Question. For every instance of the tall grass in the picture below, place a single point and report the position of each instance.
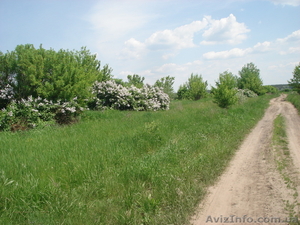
(286, 168)
(294, 98)
(121, 167)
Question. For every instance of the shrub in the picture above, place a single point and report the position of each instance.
(167, 84)
(49, 74)
(225, 91)
(36, 112)
(135, 80)
(6, 95)
(294, 98)
(250, 79)
(110, 95)
(242, 95)
(194, 89)
(183, 92)
(295, 81)
(270, 89)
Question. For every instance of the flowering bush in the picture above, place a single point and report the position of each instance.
(149, 98)
(6, 95)
(30, 113)
(67, 112)
(110, 95)
(243, 94)
(35, 112)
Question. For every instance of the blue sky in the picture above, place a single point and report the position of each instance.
(158, 38)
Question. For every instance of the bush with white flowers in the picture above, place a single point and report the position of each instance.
(110, 95)
(6, 95)
(243, 94)
(35, 112)
(38, 112)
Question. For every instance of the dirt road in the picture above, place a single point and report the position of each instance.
(252, 190)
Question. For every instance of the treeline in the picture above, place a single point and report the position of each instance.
(39, 86)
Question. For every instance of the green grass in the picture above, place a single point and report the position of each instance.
(285, 167)
(121, 167)
(294, 98)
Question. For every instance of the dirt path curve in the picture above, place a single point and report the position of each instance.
(252, 187)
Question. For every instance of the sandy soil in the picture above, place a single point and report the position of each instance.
(251, 190)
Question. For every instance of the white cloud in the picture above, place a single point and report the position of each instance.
(286, 2)
(225, 31)
(170, 40)
(281, 46)
(235, 52)
(238, 52)
(294, 37)
(179, 38)
(262, 47)
(133, 49)
(291, 50)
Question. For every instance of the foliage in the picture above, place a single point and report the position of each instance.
(194, 89)
(111, 95)
(6, 95)
(225, 92)
(270, 89)
(37, 112)
(197, 87)
(183, 92)
(295, 81)
(244, 94)
(166, 83)
(250, 79)
(49, 74)
(294, 98)
(135, 80)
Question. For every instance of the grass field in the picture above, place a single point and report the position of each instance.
(121, 167)
(294, 98)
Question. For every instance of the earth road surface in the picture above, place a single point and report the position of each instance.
(252, 190)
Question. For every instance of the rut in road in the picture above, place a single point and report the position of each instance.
(252, 186)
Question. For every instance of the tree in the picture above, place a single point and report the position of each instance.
(136, 80)
(295, 81)
(250, 79)
(270, 89)
(49, 74)
(183, 92)
(167, 84)
(193, 89)
(197, 87)
(225, 91)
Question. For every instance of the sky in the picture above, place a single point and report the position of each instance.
(160, 38)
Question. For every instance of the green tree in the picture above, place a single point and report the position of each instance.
(295, 81)
(135, 80)
(183, 92)
(250, 79)
(167, 84)
(197, 87)
(49, 74)
(225, 92)
(194, 89)
(270, 89)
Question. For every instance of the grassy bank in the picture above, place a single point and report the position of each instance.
(294, 98)
(121, 167)
(286, 168)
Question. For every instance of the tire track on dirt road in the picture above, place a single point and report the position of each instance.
(252, 188)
